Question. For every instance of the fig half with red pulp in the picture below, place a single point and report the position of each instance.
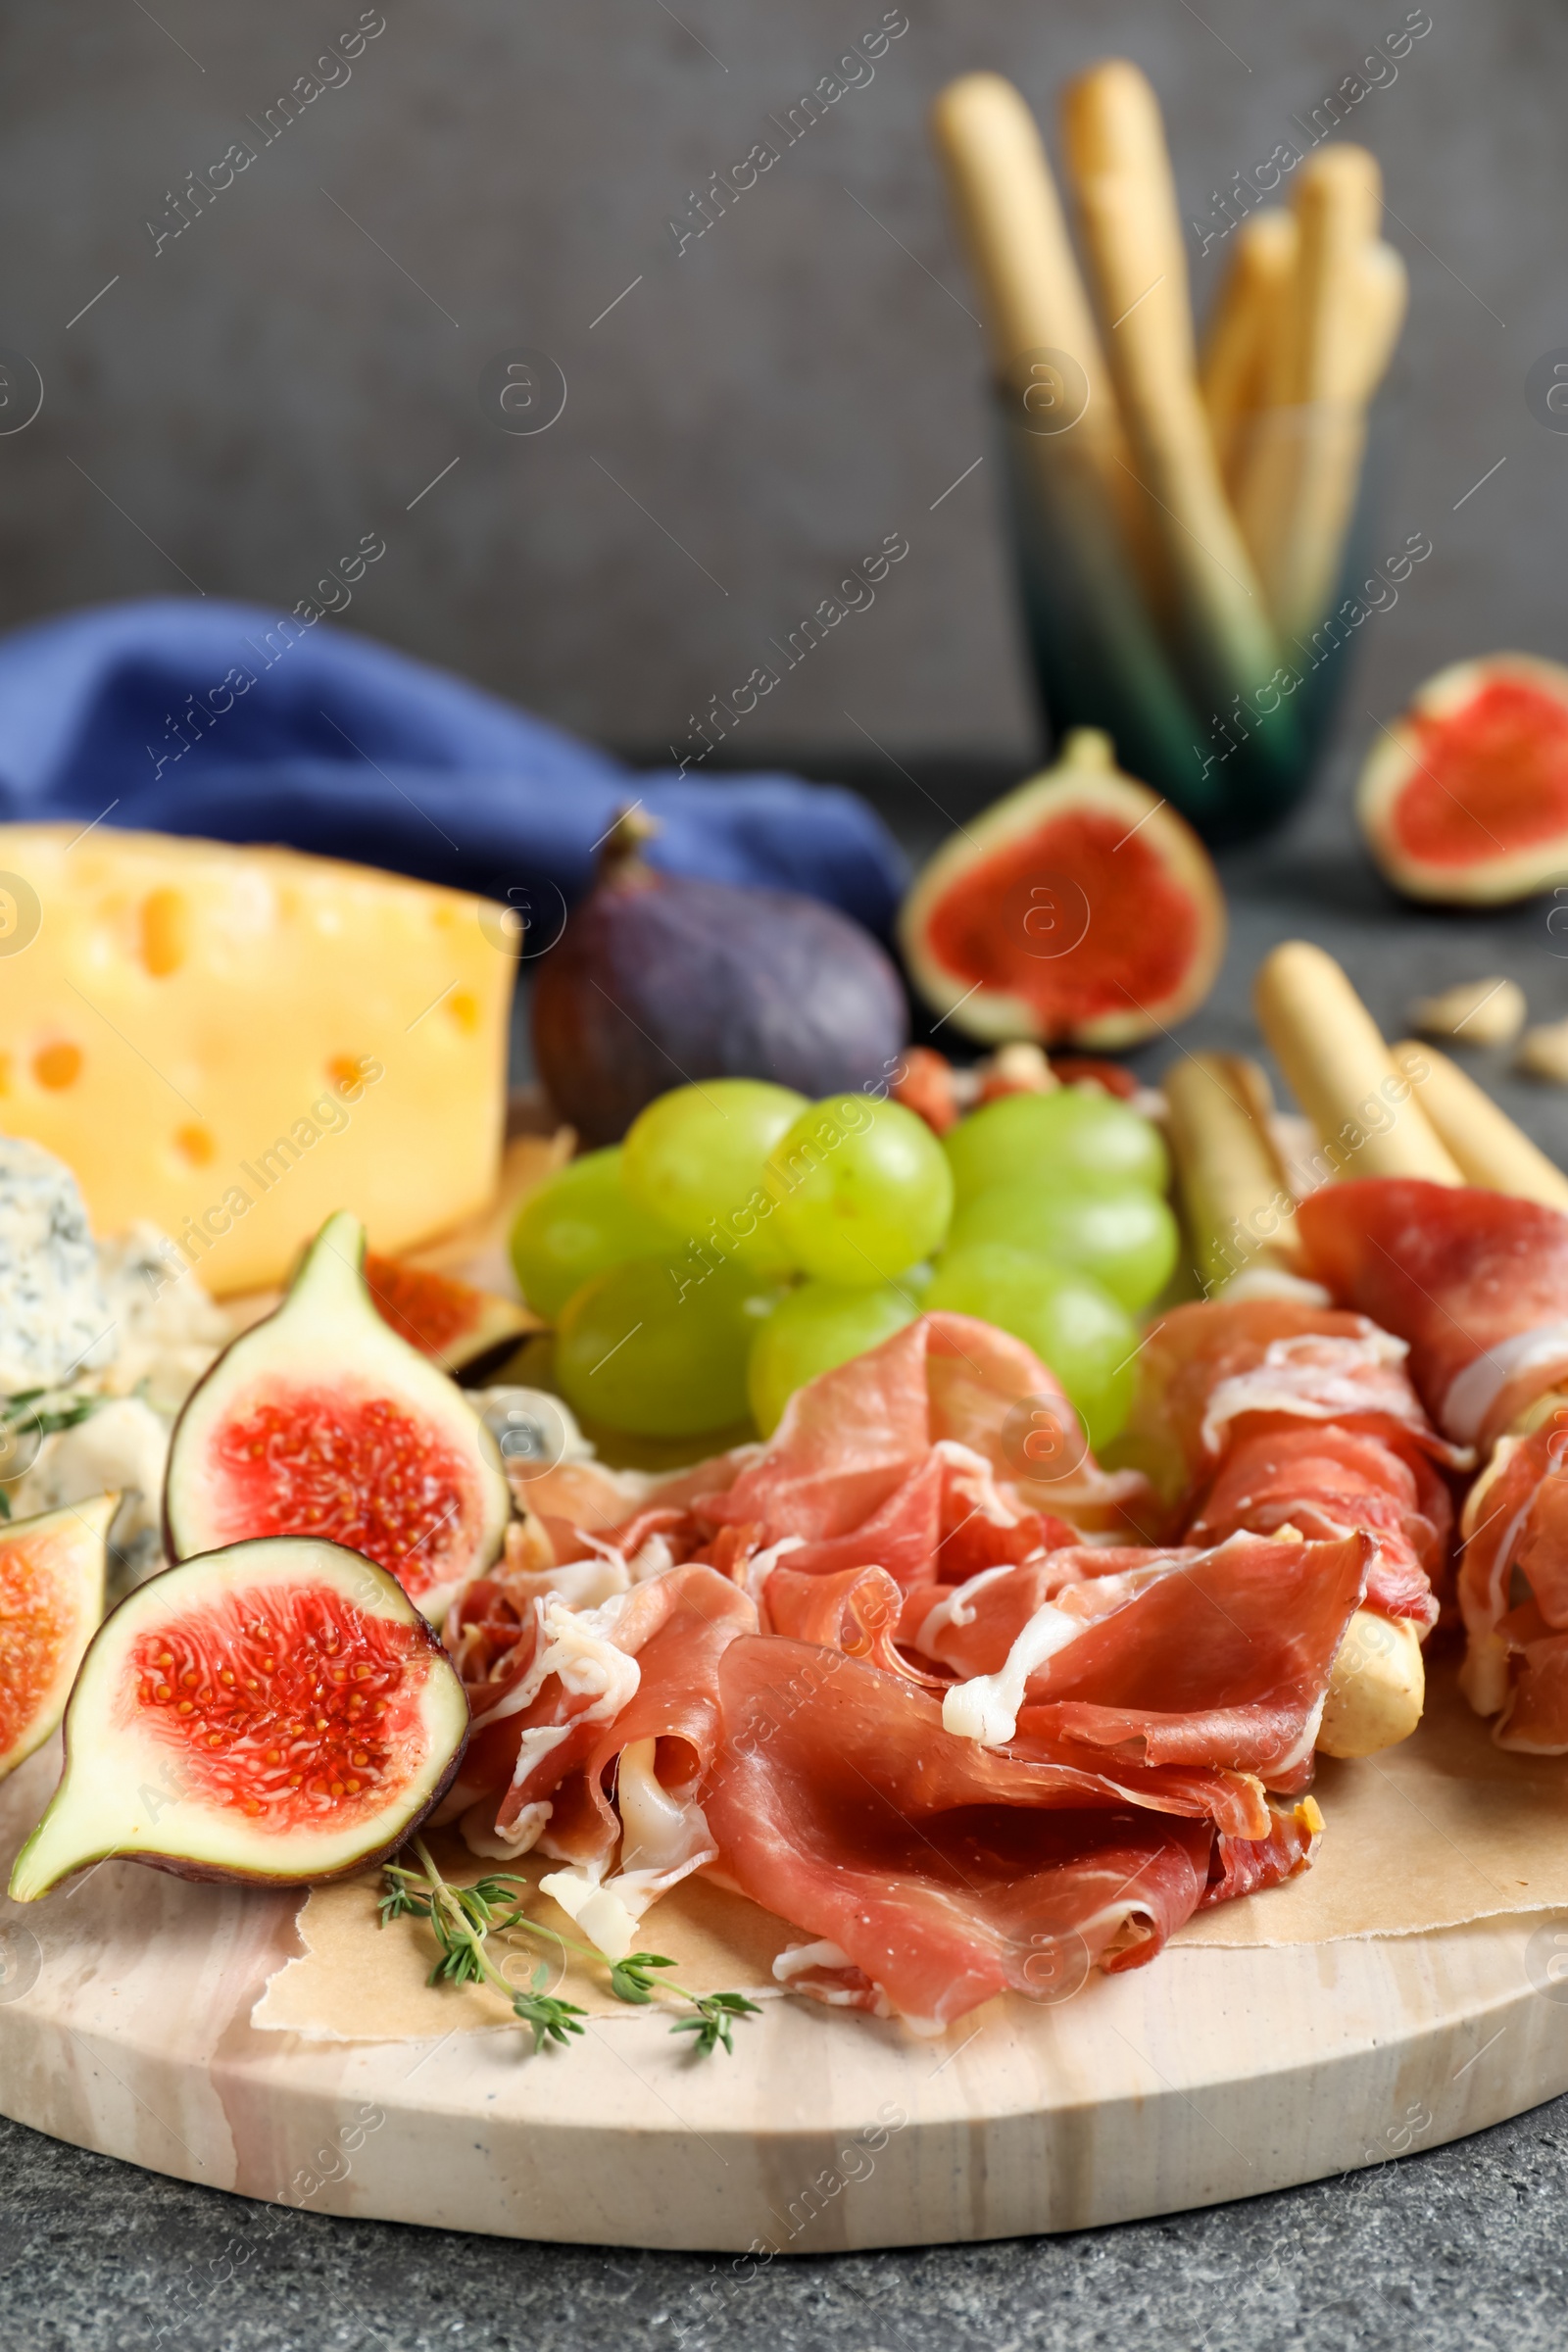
(52, 1572)
(1464, 799)
(324, 1421)
(1080, 909)
(451, 1322)
(279, 1711)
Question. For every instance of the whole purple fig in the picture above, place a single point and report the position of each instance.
(659, 980)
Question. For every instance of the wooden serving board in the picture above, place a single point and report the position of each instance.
(124, 2027)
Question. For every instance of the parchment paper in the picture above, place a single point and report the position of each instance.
(1442, 1830)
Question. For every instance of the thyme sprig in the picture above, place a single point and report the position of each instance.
(464, 1918)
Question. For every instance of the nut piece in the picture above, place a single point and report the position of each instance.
(1544, 1053)
(1479, 1012)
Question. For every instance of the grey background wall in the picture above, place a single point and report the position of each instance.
(293, 368)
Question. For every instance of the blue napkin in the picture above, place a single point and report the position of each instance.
(183, 715)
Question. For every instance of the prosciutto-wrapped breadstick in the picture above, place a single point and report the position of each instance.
(1478, 1283)
(1265, 1408)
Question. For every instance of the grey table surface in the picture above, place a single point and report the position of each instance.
(1454, 2245)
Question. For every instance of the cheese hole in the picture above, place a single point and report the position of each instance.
(5, 1073)
(344, 1071)
(165, 931)
(197, 1144)
(464, 1006)
(57, 1067)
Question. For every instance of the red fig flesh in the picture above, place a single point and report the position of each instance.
(660, 980)
(1464, 799)
(449, 1321)
(1079, 910)
(279, 1711)
(323, 1421)
(52, 1572)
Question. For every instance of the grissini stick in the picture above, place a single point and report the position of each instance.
(1080, 492)
(1365, 1110)
(1384, 298)
(1244, 330)
(1377, 1684)
(1011, 218)
(1297, 490)
(1131, 234)
(1487, 1147)
(1338, 207)
(1240, 1216)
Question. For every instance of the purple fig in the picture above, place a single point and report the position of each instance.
(660, 980)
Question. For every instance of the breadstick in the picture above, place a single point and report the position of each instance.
(1342, 1073)
(1377, 1687)
(1297, 493)
(1010, 217)
(1244, 330)
(1132, 233)
(1240, 1213)
(1384, 298)
(1487, 1145)
(1081, 480)
(1339, 208)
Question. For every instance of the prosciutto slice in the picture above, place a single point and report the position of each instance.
(853, 1458)
(941, 1871)
(1477, 1282)
(1268, 1414)
(1220, 1368)
(583, 1684)
(1218, 1657)
(1326, 1480)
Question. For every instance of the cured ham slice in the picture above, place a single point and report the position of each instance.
(578, 1686)
(1218, 1658)
(856, 1447)
(1265, 1415)
(1477, 1282)
(1219, 1368)
(940, 1871)
(1326, 1480)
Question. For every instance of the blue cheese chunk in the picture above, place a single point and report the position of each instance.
(54, 1323)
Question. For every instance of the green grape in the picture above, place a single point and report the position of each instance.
(659, 1347)
(574, 1226)
(1123, 1235)
(1070, 1321)
(862, 1190)
(696, 1158)
(1069, 1136)
(809, 1331)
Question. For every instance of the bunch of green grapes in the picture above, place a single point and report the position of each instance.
(742, 1240)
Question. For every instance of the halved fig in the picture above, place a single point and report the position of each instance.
(1080, 909)
(1464, 799)
(451, 1322)
(279, 1711)
(321, 1421)
(52, 1575)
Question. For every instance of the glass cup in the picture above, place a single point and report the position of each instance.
(1234, 752)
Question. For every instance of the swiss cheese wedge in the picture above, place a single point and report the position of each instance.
(236, 1041)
